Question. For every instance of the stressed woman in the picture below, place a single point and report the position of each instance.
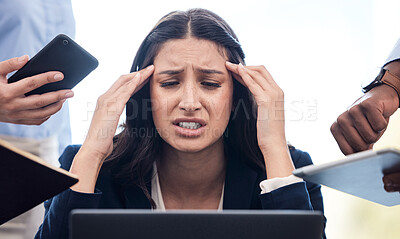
(202, 131)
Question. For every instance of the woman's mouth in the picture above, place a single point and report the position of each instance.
(189, 125)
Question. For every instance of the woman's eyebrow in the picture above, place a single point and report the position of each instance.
(210, 71)
(170, 72)
(204, 71)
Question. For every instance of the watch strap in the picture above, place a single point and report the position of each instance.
(392, 81)
(387, 78)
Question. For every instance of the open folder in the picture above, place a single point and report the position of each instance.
(26, 181)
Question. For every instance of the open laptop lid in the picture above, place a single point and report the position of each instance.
(359, 174)
(184, 224)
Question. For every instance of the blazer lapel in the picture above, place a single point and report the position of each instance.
(240, 182)
(135, 198)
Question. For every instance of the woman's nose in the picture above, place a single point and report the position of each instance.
(189, 98)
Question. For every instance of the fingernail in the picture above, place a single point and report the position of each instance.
(69, 94)
(150, 67)
(137, 76)
(22, 58)
(229, 63)
(241, 66)
(58, 76)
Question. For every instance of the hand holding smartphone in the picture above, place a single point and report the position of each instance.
(38, 89)
(61, 54)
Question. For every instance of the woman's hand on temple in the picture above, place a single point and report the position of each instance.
(269, 98)
(271, 119)
(99, 140)
(109, 108)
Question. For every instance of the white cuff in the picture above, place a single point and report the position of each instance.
(269, 185)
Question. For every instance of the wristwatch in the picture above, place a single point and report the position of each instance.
(387, 78)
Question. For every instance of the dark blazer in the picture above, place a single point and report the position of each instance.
(241, 191)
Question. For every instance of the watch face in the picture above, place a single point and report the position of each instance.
(370, 76)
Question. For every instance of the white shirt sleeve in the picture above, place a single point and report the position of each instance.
(269, 185)
(395, 54)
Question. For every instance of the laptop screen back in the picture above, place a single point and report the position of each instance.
(182, 224)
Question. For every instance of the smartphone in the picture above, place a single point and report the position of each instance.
(60, 54)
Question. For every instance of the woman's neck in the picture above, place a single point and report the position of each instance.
(190, 177)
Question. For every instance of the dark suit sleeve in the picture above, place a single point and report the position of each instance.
(56, 219)
(293, 196)
(301, 159)
(300, 196)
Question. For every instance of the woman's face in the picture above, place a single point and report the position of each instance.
(191, 92)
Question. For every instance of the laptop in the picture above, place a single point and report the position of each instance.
(191, 224)
(359, 174)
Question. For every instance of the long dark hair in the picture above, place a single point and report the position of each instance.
(136, 147)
